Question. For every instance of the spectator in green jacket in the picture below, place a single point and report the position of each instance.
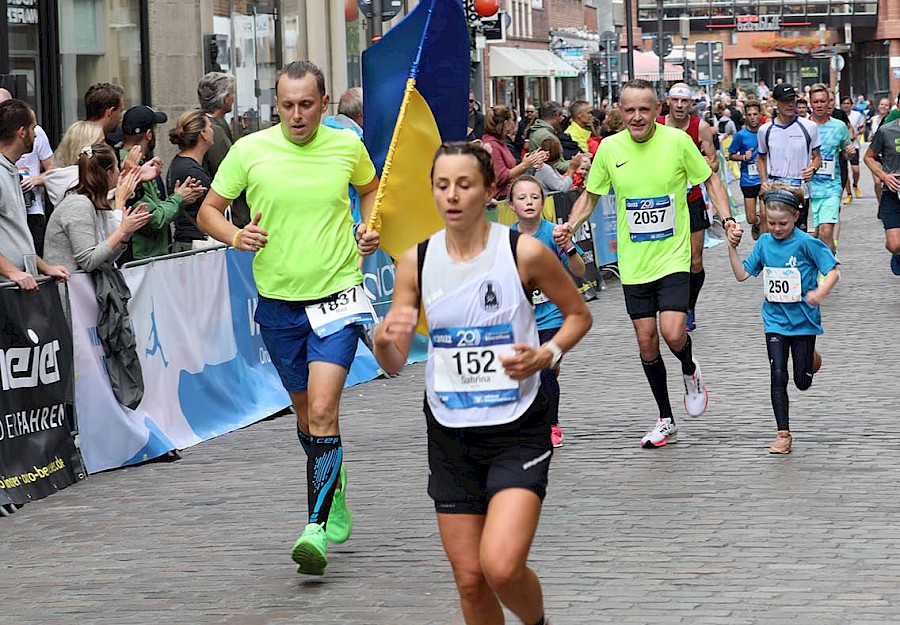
(548, 125)
(139, 130)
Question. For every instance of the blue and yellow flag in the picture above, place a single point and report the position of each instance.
(415, 90)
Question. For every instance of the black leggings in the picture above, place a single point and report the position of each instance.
(801, 348)
(549, 380)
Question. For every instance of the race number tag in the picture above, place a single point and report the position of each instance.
(752, 169)
(345, 308)
(782, 284)
(827, 169)
(467, 369)
(538, 297)
(651, 219)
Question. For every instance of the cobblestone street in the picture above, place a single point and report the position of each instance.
(712, 530)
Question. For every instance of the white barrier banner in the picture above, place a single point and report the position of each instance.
(197, 384)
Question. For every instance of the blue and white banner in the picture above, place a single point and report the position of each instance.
(206, 370)
(604, 222)
(378, 282)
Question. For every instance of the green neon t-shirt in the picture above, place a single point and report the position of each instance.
(301, 192)
(650, 181)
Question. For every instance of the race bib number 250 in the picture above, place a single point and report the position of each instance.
(782, 284)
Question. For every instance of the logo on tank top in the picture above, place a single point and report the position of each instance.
(490, 296)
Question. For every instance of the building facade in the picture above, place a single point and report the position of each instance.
(158, 50)
(797, 42)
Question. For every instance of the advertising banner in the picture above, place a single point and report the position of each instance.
(37, 451)
(206, 370)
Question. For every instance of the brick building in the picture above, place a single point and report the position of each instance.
(792, 41)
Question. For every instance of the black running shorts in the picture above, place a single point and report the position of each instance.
(671, 292)
(751, 192)
(470, 465)
(699, 216)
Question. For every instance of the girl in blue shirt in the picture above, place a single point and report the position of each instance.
(526, 199)
(790, 261)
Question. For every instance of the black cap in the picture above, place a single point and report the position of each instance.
(139, 119)
(784, 92)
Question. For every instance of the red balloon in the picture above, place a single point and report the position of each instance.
(487, 8)
(351, 10)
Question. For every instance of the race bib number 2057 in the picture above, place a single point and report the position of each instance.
(651, 219)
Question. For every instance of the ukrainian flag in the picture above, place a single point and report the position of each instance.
(415, 86)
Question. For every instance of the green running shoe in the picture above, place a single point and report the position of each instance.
(340, 521)
(310, 552)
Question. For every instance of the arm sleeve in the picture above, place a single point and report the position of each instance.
(216, 154)
(231, 177)
(42, 144)
(81, 231)
(877, 141)
(821, 255)
(814, 140)
(162, 212)
(364, 172)
(753, 264)
(761, 147)
(500, 168)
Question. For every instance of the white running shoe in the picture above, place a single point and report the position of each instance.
(666, 431)
(696, 397)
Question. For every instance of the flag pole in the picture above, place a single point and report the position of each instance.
(386, 170)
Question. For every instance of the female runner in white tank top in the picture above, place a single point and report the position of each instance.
(488, 424)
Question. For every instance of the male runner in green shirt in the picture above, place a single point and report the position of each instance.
(650, 167)
(296, 177)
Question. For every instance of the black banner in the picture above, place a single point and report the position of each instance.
(584, 238)
(37, 452)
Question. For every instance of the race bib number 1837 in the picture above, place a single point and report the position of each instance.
(347, 307)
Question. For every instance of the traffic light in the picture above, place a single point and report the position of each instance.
(710, 62)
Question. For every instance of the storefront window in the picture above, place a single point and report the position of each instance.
(250, 29)
(99, 41)
(22, 16)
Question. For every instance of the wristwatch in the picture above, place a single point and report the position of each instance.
(572, 251)
(556, 351)
(727, 219)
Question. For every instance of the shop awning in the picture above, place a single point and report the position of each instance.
(528, 62)
(646, 67)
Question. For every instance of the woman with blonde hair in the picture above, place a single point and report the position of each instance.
(65, 176)
(193, 134)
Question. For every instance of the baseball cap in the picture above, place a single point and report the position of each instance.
(139, 119)
(784, 92)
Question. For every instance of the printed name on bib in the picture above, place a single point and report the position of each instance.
(346, 308)
(782, 284)
(467, 369)
(651, 219)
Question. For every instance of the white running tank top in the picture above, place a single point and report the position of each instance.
(475, 309)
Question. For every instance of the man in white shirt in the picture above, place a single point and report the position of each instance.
(788, 148)
(32, 166)
(857, 128)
